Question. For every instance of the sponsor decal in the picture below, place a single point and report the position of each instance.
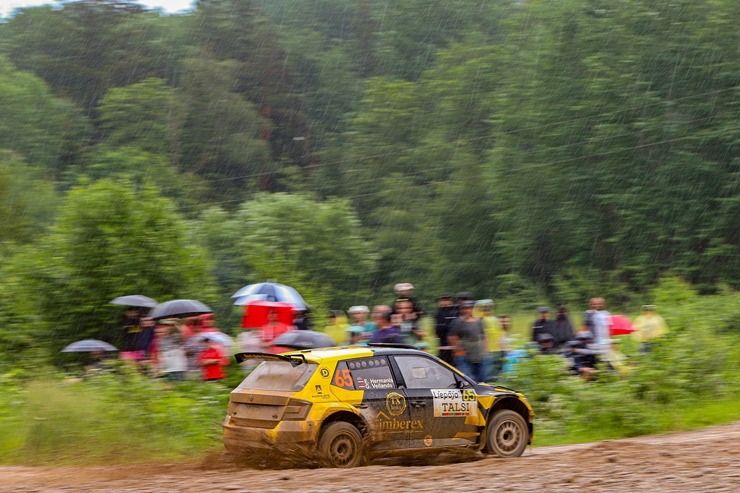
(394, 424)
(428, 440)
(452, 403)
(320, 394)
(395, 403)
(324, 372)
(379, 383)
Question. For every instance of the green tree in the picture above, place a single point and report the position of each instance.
(147, 115)
(109, 241)
(27, 202)
(35, 123)
(317, 247)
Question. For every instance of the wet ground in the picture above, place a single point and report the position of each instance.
(698, 461)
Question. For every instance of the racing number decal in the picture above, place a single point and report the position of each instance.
(343, 379)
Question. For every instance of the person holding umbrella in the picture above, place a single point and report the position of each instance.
(272, 330)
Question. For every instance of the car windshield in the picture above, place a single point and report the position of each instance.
(278, 375)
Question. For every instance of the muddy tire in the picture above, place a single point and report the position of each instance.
(507, 434)
(341, 446)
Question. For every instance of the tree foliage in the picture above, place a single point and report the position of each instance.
(523, 149)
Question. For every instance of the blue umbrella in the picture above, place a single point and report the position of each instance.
(271, 291)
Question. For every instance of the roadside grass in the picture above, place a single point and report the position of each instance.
(120, 417)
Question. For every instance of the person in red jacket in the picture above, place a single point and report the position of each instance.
(213, 361)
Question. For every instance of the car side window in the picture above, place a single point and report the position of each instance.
(364, 374)
(423, 373)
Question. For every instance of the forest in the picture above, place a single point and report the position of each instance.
(525, 150)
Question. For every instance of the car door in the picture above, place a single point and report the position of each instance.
(444, 414)
(382, 403)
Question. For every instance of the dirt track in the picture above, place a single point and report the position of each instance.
(702, 460)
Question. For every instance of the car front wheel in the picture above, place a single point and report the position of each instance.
(341, 445)
(507, 434)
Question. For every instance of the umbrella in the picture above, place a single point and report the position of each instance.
(220, 337)
(303, 339)
(621, 325)
(256, 313)
(273, 292)
(89, 346)
(245, 300)
(179, 308)
(134, 300)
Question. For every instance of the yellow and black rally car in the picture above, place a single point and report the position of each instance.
(343, 406)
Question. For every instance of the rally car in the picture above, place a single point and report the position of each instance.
(344, 406)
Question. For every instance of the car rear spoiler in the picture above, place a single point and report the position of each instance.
(294, 359)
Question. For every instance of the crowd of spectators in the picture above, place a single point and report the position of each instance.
(468, 336)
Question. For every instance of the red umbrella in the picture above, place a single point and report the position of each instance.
(621, 325)
(256, 313)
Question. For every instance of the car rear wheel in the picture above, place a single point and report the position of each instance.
(507, 434)
(341, 445)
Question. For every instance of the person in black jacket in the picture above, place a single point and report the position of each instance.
(543, 324)
(446, 312)
(563, 328)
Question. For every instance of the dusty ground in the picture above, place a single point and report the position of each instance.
(698, 461)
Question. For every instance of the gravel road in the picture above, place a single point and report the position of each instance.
(706, 460)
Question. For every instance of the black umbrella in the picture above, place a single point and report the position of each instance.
(179, 308)
(134, 300)
(303, 339)
(89, 346)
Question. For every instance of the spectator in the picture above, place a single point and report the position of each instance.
(249, 341)
(468, 337)
(588, 315)
(408, 321)
(213, 361)
(138, 335)
(446, 313)
(543, 324)
(602, 324)
(302, 320)
(649, 326)
(615, 360)
(387, 333)
(562, 328)
(172, 359)
(271, 331)
(337, 328)
(188, 327)
(205, 323)
(507, 339)
(405, 290)
(492, 326)
(583, 359)
(546, 344)
(463, 296)
(360, 330)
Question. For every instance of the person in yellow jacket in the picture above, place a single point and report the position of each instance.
(484, 310)
(337, 327)
(649, 326)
